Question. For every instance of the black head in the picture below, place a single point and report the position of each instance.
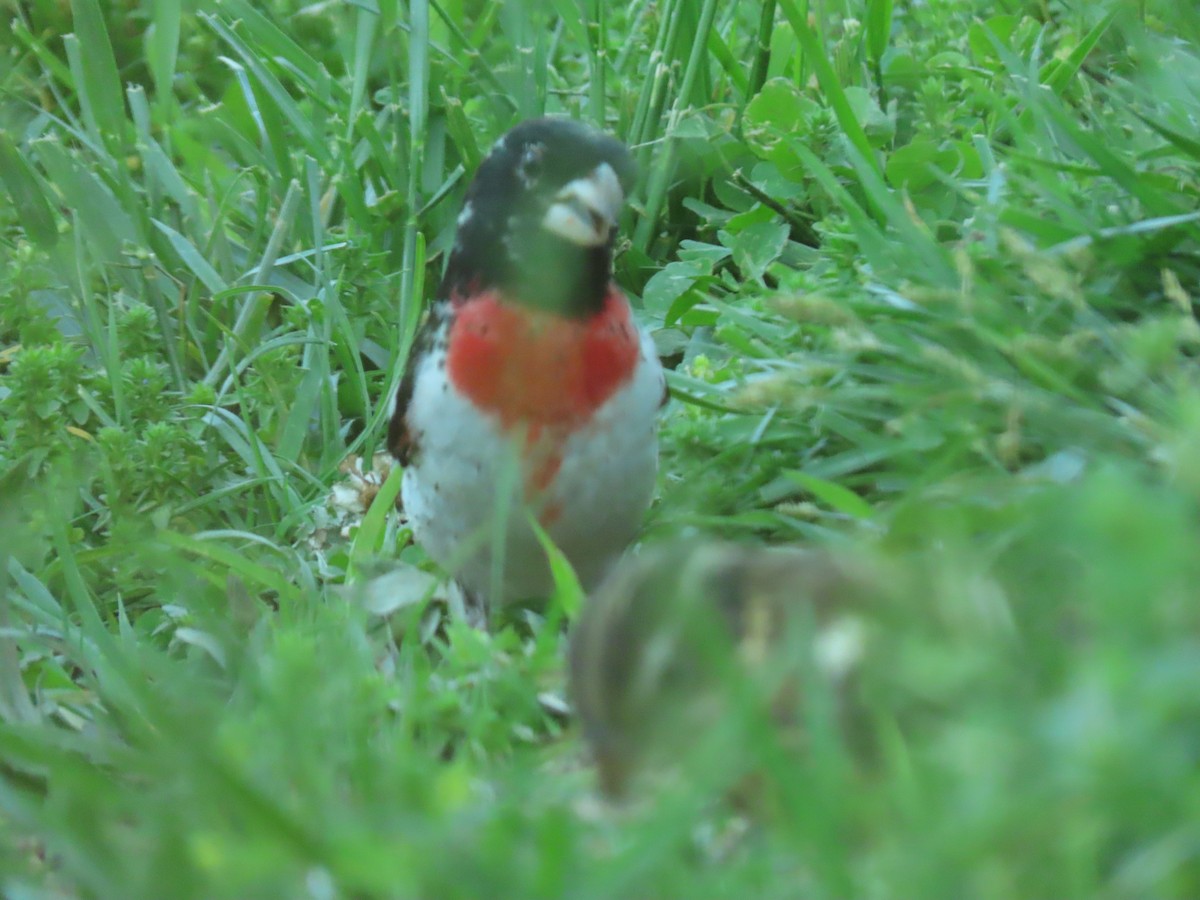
(540, 217)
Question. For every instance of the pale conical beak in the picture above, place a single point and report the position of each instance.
(585, 211)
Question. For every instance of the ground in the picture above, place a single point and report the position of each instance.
(925, 275)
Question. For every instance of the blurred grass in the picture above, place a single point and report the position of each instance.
(926, 275)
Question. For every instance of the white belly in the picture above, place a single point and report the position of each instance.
(599, 493)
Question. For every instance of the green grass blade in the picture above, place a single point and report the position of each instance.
(96, 78)
(816, 56)
(26, 194)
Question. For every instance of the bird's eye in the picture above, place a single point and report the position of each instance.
(530, 166)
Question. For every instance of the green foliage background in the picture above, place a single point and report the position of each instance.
(925, 275)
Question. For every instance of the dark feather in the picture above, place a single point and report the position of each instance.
(402, 443)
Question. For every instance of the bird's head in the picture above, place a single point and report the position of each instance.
(540, 217)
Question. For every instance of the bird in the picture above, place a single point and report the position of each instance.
(684, 635)
(531, 390)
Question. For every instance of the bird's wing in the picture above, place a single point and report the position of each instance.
(400, 439)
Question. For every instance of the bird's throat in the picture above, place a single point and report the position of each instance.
(538, 270)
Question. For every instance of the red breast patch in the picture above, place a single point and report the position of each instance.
(539, 369)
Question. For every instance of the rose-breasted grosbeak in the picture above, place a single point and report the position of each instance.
(685, 637)
(529, 384)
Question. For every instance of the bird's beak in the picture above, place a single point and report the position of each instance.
(585, 211)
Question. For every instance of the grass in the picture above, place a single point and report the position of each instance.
(925, 273)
